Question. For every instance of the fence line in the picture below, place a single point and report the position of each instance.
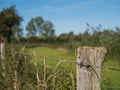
(66, 60)
(86, 65)
(102, 67)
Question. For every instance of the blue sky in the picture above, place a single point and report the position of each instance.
(69, 15)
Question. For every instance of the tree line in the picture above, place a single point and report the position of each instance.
(10, 26)
(42, 31)
(21, 73)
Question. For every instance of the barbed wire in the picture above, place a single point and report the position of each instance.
(77, 63)
(102, 67)
(66, 60)
(109, 86)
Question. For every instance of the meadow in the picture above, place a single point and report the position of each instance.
(41, 60)
(62, 60)
(49, 68)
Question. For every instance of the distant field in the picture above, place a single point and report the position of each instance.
(110, 79)
(57, 53)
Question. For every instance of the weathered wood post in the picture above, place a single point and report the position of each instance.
(2, 54)
(88, 76)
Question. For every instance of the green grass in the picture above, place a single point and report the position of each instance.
(59, 63)
(110, 79)
(58, 53)
(54, 55)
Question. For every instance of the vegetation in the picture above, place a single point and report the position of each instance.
(44, 61)
(37, 68)
(38, 26)
(92, 37)
(9, 18)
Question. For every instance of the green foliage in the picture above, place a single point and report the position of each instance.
(17, 31)
(51, 68)
(22, 70)
(38, 26)
(31, 28)
(59, 72)
(16, 70)
(110, 79)
(8, 19)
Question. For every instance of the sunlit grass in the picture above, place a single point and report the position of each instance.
(55, 55)
(59, 53)
(60, 66)
(110, 78)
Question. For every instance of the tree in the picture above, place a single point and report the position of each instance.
(9, 18)
(35, 26)
(38, 26)
(52, 33)
(31, 28)
(63, 37)
(48, 30)
(85, 38)
(71, 36)
(17, 31)
(39, 23)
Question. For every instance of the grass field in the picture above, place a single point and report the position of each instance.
(55, 55)
(64, 59)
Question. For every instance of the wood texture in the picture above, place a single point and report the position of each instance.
(88, 76)
(2, 55)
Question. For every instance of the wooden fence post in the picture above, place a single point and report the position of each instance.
(2, 54)
(88, 75)
(2, 50)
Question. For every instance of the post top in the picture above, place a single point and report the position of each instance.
(89, 47)
(1, 39)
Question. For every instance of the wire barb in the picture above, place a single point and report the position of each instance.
(102, 67)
